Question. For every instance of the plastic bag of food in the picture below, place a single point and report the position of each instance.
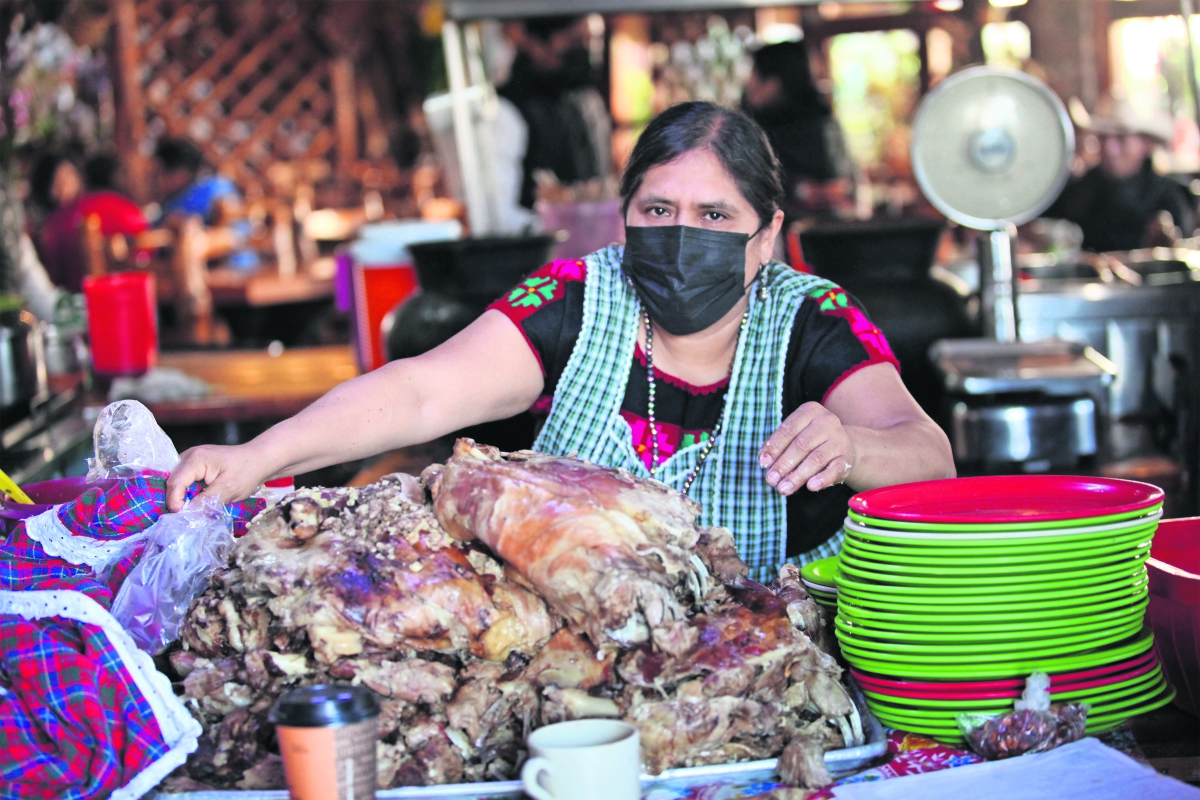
(182, 551)
(1033, 726)
(128, 442)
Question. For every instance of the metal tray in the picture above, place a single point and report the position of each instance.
(840, 763)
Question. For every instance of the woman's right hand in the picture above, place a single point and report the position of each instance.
(229, 474)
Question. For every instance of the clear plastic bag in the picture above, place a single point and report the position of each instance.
(128, 441)
(182, 551)
(1033, 726)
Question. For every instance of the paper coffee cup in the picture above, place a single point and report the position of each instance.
(327, 737)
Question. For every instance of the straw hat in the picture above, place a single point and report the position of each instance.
(1115, 116)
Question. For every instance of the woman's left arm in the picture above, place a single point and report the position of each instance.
(868, 433)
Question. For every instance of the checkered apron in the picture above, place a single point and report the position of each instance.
(585, 418)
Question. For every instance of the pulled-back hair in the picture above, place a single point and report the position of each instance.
(735, 139)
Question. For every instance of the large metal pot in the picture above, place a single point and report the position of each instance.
(66, 350)
(22, 364)
(1051, 432)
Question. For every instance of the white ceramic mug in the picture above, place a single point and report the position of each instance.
(587, 759)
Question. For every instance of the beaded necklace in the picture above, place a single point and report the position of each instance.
(711, 442)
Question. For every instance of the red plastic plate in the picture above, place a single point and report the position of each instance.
(1057, 682)
(1013, 694)
(1006, 499)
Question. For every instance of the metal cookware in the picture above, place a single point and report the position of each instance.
(22, 364)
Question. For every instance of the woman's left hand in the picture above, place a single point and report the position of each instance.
(811, 448)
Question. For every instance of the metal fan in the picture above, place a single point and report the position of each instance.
(992, 149)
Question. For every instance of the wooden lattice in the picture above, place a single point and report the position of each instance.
(252, 84)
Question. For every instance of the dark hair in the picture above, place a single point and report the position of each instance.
(100, 171)
(788, 61)
(41, 177)
(735, 139)
(179, 154)
(544, 28)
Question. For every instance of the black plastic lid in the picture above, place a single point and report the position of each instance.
(325, 705)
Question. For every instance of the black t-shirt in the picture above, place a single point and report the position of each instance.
(831, 339)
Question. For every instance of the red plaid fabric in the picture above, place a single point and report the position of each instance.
(73, 723)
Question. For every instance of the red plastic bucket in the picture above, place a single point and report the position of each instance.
(122, 322)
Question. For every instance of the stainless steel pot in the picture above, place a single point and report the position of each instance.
(66, 350)
(22, 363)
(1050, 432)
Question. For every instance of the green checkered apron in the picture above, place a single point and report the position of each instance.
(586, 420)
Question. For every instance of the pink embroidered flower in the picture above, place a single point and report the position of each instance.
(568, 270)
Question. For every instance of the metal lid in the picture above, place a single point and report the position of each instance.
(1053, 366)
(992, 147)
(325, 705)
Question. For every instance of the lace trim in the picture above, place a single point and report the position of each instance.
(58, 541)
(691, 389)
(179, 729)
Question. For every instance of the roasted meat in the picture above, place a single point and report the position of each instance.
(364, 569)
(614, 554)
(438, 607)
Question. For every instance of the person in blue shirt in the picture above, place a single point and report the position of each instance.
(185, 183)
(192, 190)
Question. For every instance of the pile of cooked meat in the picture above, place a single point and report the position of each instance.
(497, 594)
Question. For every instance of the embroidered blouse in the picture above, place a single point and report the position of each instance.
(831, 339)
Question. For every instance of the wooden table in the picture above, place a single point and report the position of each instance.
(265, 287)
(252, 385)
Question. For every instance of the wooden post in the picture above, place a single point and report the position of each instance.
(345, 114)
(130, 117)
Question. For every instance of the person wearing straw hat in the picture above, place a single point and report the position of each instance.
(1121, 201)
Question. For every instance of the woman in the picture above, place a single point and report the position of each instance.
(57, 184)
(782, 97)
(763, 393)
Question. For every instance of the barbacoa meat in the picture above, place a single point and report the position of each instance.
(531, 590)
(614, 554)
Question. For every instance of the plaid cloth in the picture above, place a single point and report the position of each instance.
(108, 513)
(74, 721)
(585, 418)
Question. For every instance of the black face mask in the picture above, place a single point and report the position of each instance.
(687, 278)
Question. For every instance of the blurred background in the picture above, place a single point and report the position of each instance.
(226, 208)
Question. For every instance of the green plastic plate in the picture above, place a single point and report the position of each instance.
(823, 571)
(1013, 578)
(854, 580)
(929, 604)
(921, 620)
(1048, 538)
(1094, 696)
(985, 566)
(1018, 668)
(951, 633)
(1095, 722)
(1007, 526)
(939, 653)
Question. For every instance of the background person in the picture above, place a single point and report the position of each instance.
(783, 98)
(1118, 203)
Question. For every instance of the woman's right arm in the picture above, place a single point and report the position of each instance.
(486, 372)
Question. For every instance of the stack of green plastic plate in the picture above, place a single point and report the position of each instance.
(820, 579)
(959, 584)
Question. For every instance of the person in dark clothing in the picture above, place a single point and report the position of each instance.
(1119, 203)
(784, 100)
(551, 63)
